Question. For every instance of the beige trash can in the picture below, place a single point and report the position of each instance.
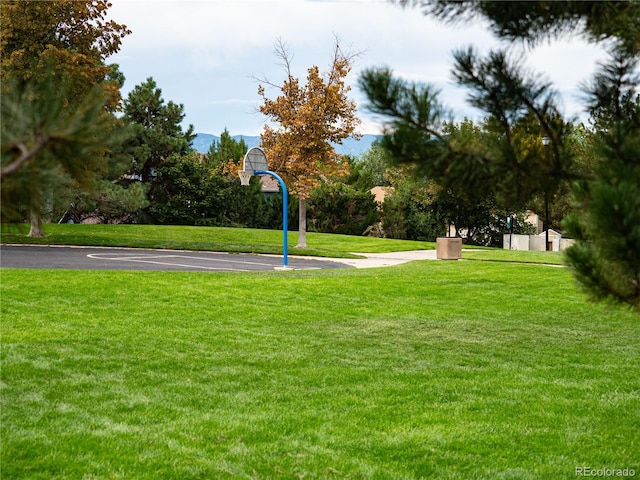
(448, 248)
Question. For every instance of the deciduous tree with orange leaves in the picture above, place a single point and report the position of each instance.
(306, 120)
(67, 39)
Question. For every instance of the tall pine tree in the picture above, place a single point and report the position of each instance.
(606, 221)
(513, 98)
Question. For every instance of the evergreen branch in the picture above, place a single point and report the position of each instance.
(403, 102)
(24, 156)
(491, 95)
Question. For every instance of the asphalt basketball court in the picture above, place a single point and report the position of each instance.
(97, 258)
(109, 258)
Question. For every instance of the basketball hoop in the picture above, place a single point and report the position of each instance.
(245, 177)
(255, 162)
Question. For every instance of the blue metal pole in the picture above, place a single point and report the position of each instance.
(285, 211)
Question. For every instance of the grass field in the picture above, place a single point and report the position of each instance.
(514, 256)
(216, 239)
(446, 370)
(246, 240)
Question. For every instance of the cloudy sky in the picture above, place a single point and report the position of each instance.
(206, 54)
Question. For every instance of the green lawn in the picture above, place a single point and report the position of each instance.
(445, 370)
(513, 256)
(207, 238)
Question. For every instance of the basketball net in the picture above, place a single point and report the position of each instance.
(245, 177)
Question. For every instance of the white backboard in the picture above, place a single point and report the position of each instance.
(255, 159)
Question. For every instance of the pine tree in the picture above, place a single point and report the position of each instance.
(46, 145)
(56, 91)
(225, 150)
(533, 21)
(157, 129)
(606, 221)
(521, 110)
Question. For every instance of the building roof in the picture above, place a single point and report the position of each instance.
(269, 184)
(381, 192)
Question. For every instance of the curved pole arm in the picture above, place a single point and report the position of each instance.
(285, 212)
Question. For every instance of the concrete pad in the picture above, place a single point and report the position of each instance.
(375, 260)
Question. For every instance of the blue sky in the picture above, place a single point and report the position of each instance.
(206, 53)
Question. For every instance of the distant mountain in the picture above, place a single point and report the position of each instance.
(202, 142)
(350, 146)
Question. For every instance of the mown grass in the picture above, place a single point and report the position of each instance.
(217, 239)
(517, 256)
(446, 370)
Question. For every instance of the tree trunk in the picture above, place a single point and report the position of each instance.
(302, 224)
(36, 222)
(35, 209)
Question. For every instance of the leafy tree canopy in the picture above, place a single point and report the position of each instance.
(306, 119)
(72, 37)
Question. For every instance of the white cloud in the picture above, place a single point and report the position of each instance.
(204, 53)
